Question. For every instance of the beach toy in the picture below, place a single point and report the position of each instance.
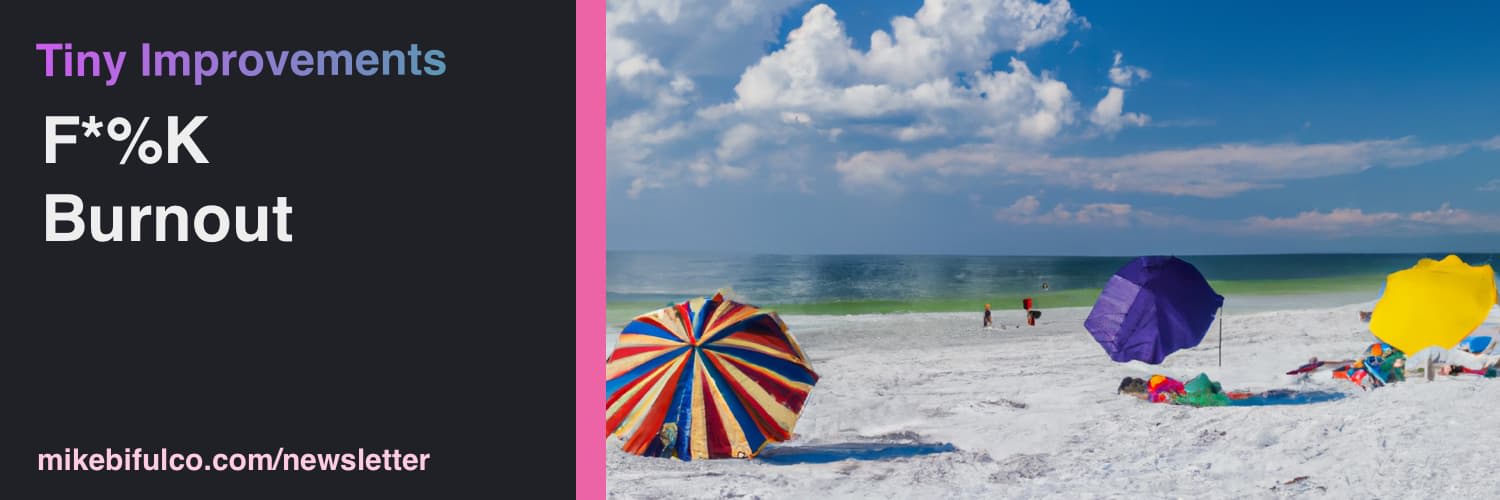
(1434, 303)
(1152, 307)
(707, 378)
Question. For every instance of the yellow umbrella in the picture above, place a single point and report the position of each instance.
(1435, 303)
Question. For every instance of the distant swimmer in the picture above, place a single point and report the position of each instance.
(1044, 285)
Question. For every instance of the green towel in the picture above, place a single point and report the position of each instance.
(1201, 391)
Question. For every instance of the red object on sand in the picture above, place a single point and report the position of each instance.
(1026, 303)
(1307, 368)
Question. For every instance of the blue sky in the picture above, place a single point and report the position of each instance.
(1084, 128)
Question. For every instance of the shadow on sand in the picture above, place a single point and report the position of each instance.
(824, 453)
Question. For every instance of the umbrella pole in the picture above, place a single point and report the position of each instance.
(1221, 336)
(1428, 370)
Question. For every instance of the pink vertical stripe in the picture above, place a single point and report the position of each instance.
(589, 249)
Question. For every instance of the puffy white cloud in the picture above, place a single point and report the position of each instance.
(681, 84)
(820, 71)
(1336, 223)
(919, 132)
(737, 141)
(633, 65)
(1456, 218)
(875, 171)
(1207, 171)
(926, 79)
(1109, 114)
(1022, 210)
(795, 117)
(805, 73)
(655, 53)
(692, 37)
(1124, 76)
(1351, 221)
(1027, 210)
(645, 128)
(639, 185)
(1337, 220)
(952, 36)
(631, 141)
(704, 172)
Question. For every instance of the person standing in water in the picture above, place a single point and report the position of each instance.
(987, 321)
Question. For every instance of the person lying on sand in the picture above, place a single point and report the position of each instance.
(1200, 391)
(1454, 370)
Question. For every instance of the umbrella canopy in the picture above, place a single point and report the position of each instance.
(707, 378)
(1153, 307)
(1434, 303)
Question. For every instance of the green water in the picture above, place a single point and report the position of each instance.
(622, 311)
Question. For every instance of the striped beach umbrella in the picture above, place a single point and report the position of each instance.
(707, 378)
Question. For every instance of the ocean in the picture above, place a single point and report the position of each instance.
(637, 282)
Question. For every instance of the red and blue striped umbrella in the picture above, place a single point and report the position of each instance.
(707, 378)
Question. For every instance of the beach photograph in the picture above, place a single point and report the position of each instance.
(929, 249)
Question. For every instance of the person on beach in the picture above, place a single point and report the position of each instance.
(987, 321)
(665, 444)
(1470, 359)
(1200, 391)
(1454, 370)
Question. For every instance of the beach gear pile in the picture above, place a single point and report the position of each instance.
(1380, 365)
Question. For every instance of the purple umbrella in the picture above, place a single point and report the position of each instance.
(1151, 308)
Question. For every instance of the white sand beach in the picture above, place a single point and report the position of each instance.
(1031, 412)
